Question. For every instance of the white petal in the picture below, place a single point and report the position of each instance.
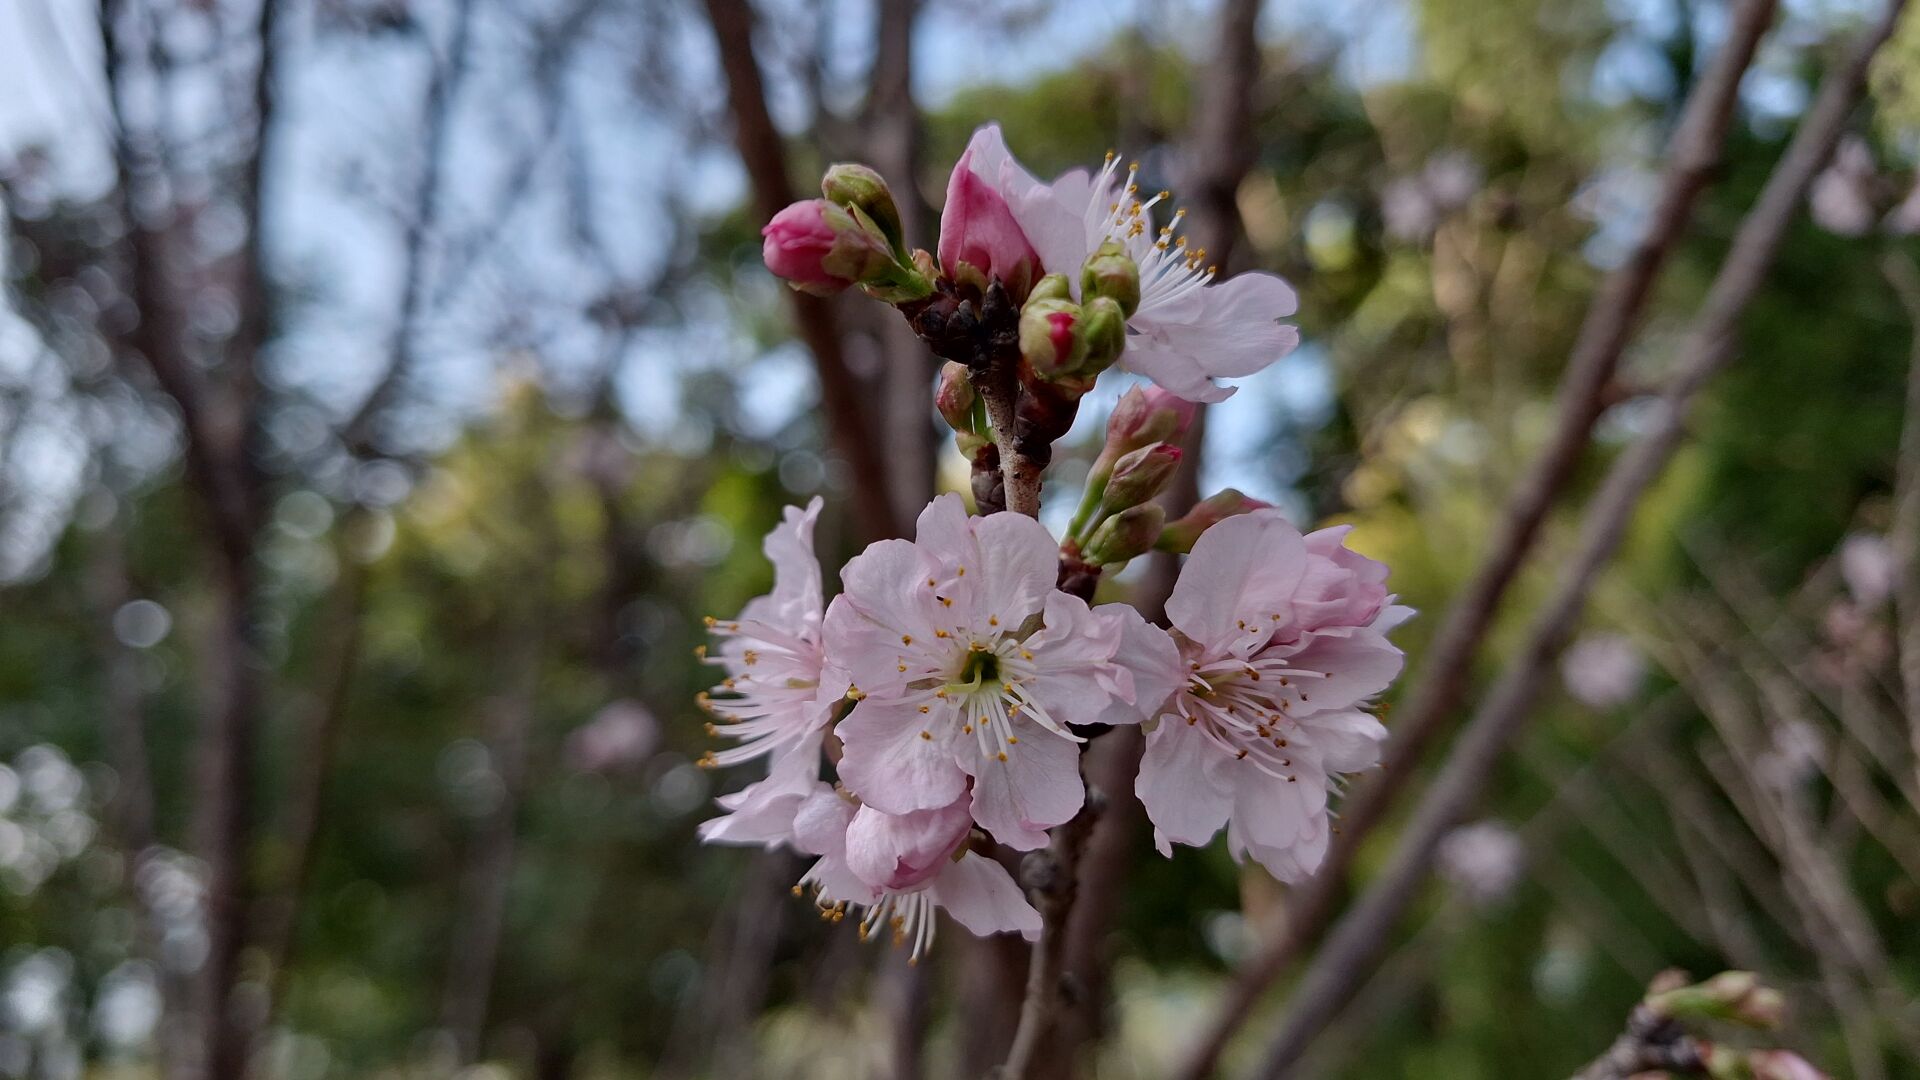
(1346, 742)
(820, 823)
(1173, 370)
(796, 572)
(1242, 573)
(981, 896)
(1019, 561)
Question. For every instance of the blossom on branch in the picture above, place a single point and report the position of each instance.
(896, 869)
(970, 666)
(1281, 645)
(1186, 330)
(779, 694)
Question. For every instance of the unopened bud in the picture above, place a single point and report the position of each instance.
(1179, 536)
(1147, 414)
(1734, 996)
(822, 249)
(1105, 332)
(1781, 1065)
(853, 185)
(954, 396)
(1128, 533)
(1111, 273)
(1051, 287)
(1052, 339)
(1139, 476)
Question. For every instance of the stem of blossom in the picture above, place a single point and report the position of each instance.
(1050, 875)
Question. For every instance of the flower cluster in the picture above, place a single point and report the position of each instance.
(954, 681)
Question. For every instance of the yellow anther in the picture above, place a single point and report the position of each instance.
(927, 735)
(926, 708)
(750, 656)
(1002, 755)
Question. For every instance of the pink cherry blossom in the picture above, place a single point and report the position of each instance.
(897, 869)
(1188, 330)
(779, 693)
(978, 226)
(953, 687)
(1280, 646)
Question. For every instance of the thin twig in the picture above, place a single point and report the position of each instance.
(1050, 876)
(1357, 940)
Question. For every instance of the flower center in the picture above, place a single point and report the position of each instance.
(981, 666)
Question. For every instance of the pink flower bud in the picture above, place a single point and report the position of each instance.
(1148, 415)
(1782, 1065)
(819, 248)
(900, 851)
(1051, 339)
(1139, 476)
(979, 238)
(1179, 536)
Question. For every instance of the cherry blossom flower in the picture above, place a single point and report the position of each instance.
(779, 693)
(897, 869)
(978, 229)
(1187, 330)
(1603, 671)
(952, 686)
(1280, 644)
(1484, 861)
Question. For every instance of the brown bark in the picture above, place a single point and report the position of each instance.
(1359, 939)
(763, 152)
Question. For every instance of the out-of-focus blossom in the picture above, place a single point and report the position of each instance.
(1411, 207)
(1868, 567)
(981, 239)
(1782, 1065)
(896, 869)
(621, 735)
(1187, 330)
(779, 693)
(1603, 671)
(1904, 219)
(1483, 861)
(1272, 688)
(930, 630)
(1793, 754)
(1841, 198)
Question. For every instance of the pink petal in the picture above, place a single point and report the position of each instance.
(1147, 654)
(900, 851)
(1036, 788)
(891, 765)
(1180, 785)
(1242, 572)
